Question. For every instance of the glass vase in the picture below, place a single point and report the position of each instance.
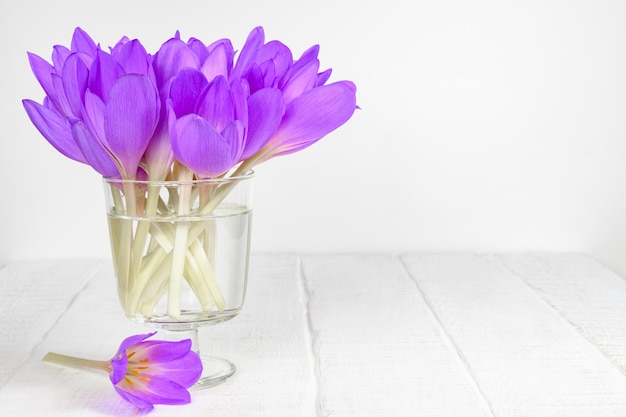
(180, 254)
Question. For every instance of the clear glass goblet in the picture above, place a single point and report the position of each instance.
(180, 253)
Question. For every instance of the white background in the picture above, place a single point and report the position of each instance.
(485, 126)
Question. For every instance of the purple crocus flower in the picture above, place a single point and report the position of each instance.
(145, 373)
(311, 116)
(186, 74)
(312, 109)
(100, 108)
(175, 55)
(210, 123)
(206, 122)
(154, 372)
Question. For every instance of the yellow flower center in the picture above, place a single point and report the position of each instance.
(136, 368)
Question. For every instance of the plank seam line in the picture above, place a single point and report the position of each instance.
(537, 292)
(310, 336)
(449, 340)
(47, 332)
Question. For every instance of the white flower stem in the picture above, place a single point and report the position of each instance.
(192, 234)
(199, 274)
(79, 362)
(161, 254)
(210, 231)
(180, 246)
(141, 234)
(124, 207)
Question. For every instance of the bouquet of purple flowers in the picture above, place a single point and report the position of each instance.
(133, 115)
(188, 112)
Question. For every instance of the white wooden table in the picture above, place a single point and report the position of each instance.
(340, 335)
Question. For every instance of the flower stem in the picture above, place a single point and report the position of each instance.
(79, 362)
(142, 227)
(124, 238)
(180, 246)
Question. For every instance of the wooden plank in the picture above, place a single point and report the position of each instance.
(34, 295)
(380, 350)
(267, 342)
(526, 359)
(510, 335)
(589, 296)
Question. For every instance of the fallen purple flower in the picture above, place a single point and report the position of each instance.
(145, 373)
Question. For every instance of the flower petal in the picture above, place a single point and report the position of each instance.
(133, 340)
(186, 87)
(228, 47)
(82, 42)
(240, 91)
(217, 63)
(134, 400)
(59, 55)
(265, 110)
(322, 77)
(59, 98)
(132, 56)
(313, 115)
(185, 371)
(279, 54)
(155, 389)
(95, 153)
(199, 48)
(50, 81)
(256, 78)
(255, 40)
(234, 136)
(75, 77)
(131, 116)
(94, 112)
(200, 147)
(123, 41)
(173, 56)
(216, 104)
(302, 76)
(158, 155)
(43, 72)
(55, 128)
(103, 73)
(157, 351)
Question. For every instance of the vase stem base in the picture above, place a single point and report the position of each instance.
(215, 371)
